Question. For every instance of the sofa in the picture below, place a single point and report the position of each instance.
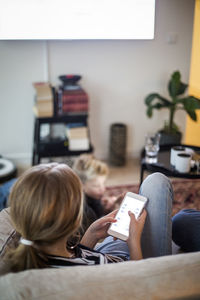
(168, 277)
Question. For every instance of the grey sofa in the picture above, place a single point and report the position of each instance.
(168, 277)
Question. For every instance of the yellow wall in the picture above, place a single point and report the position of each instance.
(192, 135)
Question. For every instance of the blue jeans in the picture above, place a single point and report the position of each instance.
(186, 230)
(157, 232)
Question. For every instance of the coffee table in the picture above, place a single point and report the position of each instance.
(163, 165)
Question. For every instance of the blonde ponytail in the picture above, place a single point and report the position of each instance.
(25, 257)
(46, 205)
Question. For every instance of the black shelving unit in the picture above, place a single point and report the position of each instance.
(52, 147)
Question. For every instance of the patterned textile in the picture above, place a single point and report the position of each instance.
(83, 256)
(186, 193)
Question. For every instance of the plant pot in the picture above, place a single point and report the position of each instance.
(170, 139)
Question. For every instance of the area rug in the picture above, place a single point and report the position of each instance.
(186, 193)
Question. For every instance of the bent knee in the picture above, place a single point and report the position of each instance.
(157, 178)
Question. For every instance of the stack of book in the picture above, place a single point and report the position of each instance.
(78, 138)
(44, 100)
(72, 101)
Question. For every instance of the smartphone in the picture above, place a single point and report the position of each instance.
(133, 202)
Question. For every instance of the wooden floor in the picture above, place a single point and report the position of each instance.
(128, 174)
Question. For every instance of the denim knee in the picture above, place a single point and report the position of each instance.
(156, 179)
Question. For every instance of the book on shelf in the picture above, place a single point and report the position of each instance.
(78, 144)
(43, 91)
(44, 100)
(75, 107)
(78, 138)
(72, 101)
(43, 108)
(75, 98)
(79, 132)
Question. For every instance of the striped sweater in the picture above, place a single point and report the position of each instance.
(83, 256)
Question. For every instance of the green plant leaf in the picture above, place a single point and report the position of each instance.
(182, 88)
(158, 105)
(192, 114)
(191, 103)
(149, 111)
(149, 99)
(161, 102)
(155, 106)
(174, 84)
(176, 88)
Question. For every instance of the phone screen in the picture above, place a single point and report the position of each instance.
(122, 217)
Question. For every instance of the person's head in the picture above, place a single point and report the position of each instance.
(93, 174)
(46, 205)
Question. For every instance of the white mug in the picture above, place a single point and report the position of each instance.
(174, 152)
(183, 162)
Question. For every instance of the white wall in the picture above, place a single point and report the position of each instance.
(21, 63)
(116, 74)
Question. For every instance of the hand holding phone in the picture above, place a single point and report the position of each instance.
(134, 203)
(136, 227)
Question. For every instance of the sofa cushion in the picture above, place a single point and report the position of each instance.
(168, 277)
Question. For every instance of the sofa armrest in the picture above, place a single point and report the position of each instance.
(167, 277)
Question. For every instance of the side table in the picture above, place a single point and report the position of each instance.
(163, 165)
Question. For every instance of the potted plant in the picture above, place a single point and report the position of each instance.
(170, 133)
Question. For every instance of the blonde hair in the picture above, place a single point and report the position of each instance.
(88, 167)
(46, 205)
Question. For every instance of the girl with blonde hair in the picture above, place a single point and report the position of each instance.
(93, 174)
(46, 205)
